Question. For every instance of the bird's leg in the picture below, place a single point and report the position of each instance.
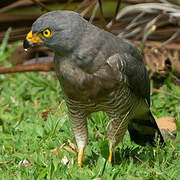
(80, 130)
(116, 130)
(80, 156)
(110, 154)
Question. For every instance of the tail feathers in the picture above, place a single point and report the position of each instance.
(145, 131)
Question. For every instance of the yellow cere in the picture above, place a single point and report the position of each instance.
(33, 37)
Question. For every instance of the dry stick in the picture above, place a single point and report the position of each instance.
(45, 66)
(83, 4)
(134, 21)
(103, 22)
(94, 13)
(176, 79)
(41, 5)
(131, 34)
(15, 5)
(142, 162)
(148, 8)
(116, 12)
(5, 162)
(164, 92)
(88, 8)
(149, 29)
(170, 39)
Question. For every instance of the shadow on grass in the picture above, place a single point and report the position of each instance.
(138, 154)
(91, 160)
(121, 154)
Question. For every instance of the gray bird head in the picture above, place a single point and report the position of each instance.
(60, 31)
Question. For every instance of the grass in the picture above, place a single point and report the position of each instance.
(34, 127)
(25, 134)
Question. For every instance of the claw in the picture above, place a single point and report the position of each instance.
(110, 155)
(80, 156)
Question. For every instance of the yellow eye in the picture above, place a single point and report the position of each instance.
(46, 33)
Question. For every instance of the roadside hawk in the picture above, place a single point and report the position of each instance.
(97, 72)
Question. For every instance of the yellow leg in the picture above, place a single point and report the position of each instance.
(110, 155)
(80, 156)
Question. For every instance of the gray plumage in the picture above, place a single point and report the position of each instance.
(99, 72)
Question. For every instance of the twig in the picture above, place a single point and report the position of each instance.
(15, 5)
(116, 11)
(164, 92)
(131, 34)
(5, 162)
(170, 39)
(94, 13)
(149, 29)
(41, 5)
(103, 21)
(88, 8)
(146, 7)
(142, 162)
(134, 22)
(83, 4)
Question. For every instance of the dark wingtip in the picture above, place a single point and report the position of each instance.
(26, 44)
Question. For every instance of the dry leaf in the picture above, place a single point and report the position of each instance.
(166, 122)
(71, 144)
(99, 134)
(69, 149)
(43, 152)
(35, 103)
(55, 151)
(169, 135)
(45, 112)
(62, 146)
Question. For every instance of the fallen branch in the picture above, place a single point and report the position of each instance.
(45, 66)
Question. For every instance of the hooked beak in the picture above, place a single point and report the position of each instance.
(31, 40)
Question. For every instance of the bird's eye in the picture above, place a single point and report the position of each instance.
(46, 33)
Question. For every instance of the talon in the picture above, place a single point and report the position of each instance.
(80, 156)
(110, 155)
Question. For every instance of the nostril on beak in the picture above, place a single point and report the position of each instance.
(27, 44)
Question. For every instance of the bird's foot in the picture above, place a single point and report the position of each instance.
(80, 156)
(110, 155)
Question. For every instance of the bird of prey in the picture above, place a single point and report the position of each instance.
(97, 72)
